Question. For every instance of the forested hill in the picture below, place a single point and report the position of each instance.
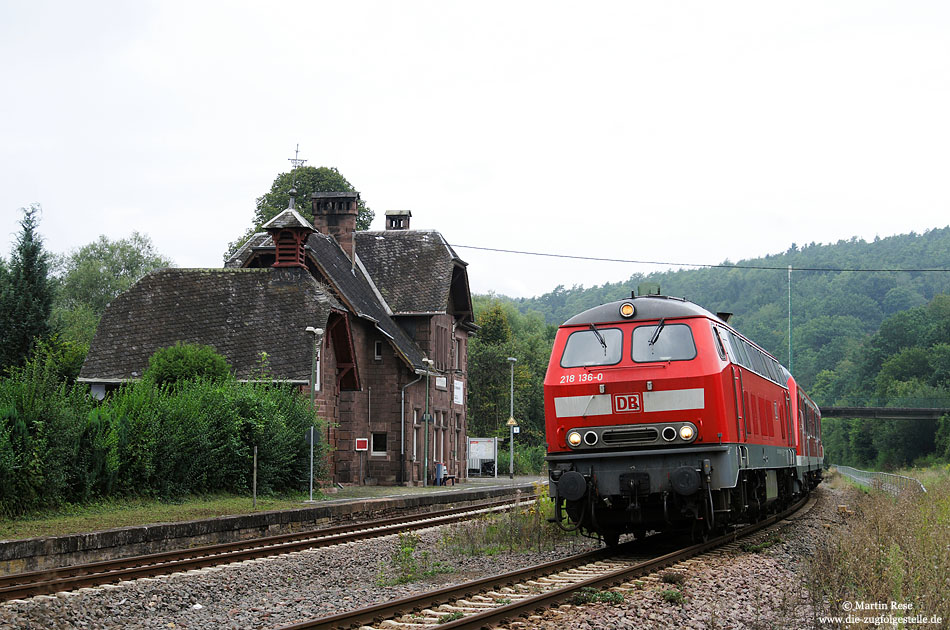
(833, 312)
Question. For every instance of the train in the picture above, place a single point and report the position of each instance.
(660, 416)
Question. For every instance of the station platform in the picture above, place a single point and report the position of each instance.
(347, 504)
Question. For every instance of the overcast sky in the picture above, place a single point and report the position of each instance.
(662, 131)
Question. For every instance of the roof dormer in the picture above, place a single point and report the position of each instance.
(289, 231)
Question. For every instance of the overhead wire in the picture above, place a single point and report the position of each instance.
(697, 265)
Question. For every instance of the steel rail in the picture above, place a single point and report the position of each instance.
(29, 584)
(379, 612)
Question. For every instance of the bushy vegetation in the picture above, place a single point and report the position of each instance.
(529, 460)
(890, 549)
(59, 446)
(186, 362)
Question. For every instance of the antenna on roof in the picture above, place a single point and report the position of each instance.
(296, 163)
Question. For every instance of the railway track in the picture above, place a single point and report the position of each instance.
(492, 600)
(30, 584)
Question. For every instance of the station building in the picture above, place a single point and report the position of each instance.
(386, 310)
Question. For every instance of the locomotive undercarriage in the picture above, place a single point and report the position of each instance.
(688, 497)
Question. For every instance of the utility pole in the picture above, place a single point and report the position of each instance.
(790, 319)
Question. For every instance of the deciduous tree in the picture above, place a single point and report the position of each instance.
(93, 275)
(309, 179)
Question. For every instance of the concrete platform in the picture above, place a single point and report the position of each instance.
(352, 503)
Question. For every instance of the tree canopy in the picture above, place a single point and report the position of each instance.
(96, 273)
(93, 275)
(309, 179)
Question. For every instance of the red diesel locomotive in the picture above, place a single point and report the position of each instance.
(659, 415)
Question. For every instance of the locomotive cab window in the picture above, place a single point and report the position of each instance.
(600, 346)
(663, 342)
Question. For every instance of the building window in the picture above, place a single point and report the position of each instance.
(379, 444)
(457, 356)
(441, 347)
(379, 351)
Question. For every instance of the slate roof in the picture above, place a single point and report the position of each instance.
(355, 290)
(289, 218)
(358, 292)
(245, 251)
(413, 269)
(241, 312)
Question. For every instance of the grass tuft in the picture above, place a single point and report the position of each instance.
(772, 540)
(520, 530)
(673, 577)
(589, 595)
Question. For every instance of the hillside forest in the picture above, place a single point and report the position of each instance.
(864, 332)
(870, 326)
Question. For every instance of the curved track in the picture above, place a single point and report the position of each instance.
(23, 585)
(491, 600)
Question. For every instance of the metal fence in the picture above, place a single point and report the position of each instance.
(893, 484)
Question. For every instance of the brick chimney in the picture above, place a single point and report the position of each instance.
(334, 213)
(398, 219)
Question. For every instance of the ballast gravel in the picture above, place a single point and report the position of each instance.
(264, 593)
(729, 588)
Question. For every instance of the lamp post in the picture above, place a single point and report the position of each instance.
(425, 446)
(317, 335)
(511, 421)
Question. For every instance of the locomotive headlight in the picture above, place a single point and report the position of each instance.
(627, 310)
(574, 438)
(686, 432)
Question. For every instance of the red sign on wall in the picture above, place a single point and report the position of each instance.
(362, 444)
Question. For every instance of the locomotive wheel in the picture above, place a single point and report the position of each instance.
(699, 533)
(611, 539)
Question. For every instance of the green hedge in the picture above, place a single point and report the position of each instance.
(58, 445)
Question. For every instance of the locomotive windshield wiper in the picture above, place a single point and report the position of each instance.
(600, 338)
(656, 333)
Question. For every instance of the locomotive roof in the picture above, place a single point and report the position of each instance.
(648, 307)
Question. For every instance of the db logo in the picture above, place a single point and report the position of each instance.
(626, 403)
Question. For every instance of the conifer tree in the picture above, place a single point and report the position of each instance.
(26, 293)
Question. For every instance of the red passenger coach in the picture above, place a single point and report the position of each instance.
(659, 415)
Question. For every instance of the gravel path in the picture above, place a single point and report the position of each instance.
(728, 588)
(263, 593)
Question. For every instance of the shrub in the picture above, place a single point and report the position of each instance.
(529, 460)
(186, 361)
(57, 446)
(41, 421)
